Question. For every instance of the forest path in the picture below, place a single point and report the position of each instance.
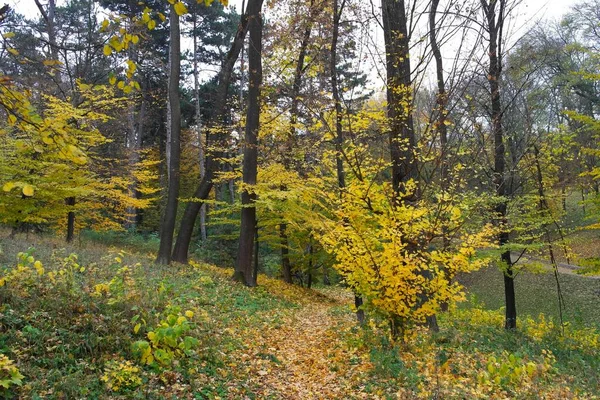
(563, 268)
(305, 358)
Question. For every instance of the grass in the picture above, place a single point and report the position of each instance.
(73, 327)
(536, 293)
(62, 335)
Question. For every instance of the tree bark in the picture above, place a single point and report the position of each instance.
(441, 96)
(173, 144)
(70, 201)
(440, 122)
(399, 97)
(199, 133)
(399, 112)
(184, 237)
(243, 270)
(286, 266)
(494, 26)
(339, 133)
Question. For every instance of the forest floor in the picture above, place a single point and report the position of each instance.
(73, 327)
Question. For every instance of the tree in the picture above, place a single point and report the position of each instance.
(173, 143)
(494, 13)
(215, 144)
(243, 269)
(403, 147)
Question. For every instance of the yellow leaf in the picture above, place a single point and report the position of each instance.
(11, 119)
(189, 314)
(8, 35)
(28, 190)
(12, 51)
(151, 24)
(180, 8)
(136, 328)
(8, 186)
(121, 85)
(107, 50)
(112, 80)
(135, 39)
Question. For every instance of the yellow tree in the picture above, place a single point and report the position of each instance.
(51, 155)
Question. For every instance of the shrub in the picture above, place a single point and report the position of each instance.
(121, 376)
(10, 375)
(168, 341)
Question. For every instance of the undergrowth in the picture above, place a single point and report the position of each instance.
(92, 321)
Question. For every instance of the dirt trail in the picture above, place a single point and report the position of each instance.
(301, 358)
(563, 268)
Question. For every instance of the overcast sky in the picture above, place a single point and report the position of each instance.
(530, 8)
(526, 15)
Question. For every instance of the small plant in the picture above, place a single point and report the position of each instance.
(9, 375)
(26, 273)
(590, 266)
(121, 376)
(121, 287)
(512, 370)
(168, 341)
(206, 281)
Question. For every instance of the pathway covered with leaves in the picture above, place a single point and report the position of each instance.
(304, 358)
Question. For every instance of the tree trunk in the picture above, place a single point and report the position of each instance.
(440, 122)
(173, 144)
(441, 97)
(70, 201)
(286, 267)
(311, 252)
(399, 97)
(256, 249)
(494, 27)
(134, 144)
(199, 133)
(399, 112)
(339, 133)
(184, 238)
(243, 270)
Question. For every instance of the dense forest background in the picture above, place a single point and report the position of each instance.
(388, 149)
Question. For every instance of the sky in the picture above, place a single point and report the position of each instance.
(526, 15)
(530, 8)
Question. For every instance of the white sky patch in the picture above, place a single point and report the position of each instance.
(526, 15)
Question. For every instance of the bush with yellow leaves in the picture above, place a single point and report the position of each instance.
(10, 375)
(402, 255)
(121, 376)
